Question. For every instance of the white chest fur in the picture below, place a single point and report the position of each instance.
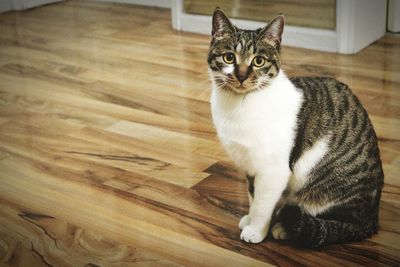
(257, 129)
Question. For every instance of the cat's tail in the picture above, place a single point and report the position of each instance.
(306, 230)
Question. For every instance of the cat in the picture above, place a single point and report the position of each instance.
(307, 145)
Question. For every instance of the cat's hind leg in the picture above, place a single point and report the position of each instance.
(306, 230)
(279, 233)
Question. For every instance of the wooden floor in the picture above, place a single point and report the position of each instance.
(108, 156)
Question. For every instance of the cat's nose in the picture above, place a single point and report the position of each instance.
(242, 72)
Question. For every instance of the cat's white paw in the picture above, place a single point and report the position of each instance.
(279, 233)
(244, 221)
(252, 235)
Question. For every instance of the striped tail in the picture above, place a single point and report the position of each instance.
(306, 230)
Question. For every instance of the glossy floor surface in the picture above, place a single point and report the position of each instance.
(108, 156)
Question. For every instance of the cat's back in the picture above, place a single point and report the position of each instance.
(318, 89)
(329, 103)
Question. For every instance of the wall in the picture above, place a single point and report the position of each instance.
(8, 5)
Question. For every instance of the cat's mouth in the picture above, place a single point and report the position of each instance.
(241, 88)
(231, 84)
(238, 88)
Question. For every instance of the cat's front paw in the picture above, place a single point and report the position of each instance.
(279, 233)
(244, 221)
(252, 235)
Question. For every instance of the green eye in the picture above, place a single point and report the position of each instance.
(258, 61)
(229, 58)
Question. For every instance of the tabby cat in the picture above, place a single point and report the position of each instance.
(307, 145)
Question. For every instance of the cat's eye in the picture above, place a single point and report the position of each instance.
(229, 58)
(258, 61)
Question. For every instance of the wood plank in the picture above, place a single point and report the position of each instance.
(77, 146)
(122, 219)
(43, 240)
(112, 166)
(95, 112)
(165, 138)
(386, 128)
(142, 221)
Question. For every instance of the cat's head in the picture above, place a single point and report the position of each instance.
(243, 60)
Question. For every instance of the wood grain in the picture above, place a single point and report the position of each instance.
(35, 239)
(108, 155)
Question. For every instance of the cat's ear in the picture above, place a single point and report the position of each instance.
(272, 33)
(220, 23)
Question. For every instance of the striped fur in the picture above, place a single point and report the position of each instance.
(350, 177)
(335, 178)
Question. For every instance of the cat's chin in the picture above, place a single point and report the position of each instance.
(242, 90)
(238, 89)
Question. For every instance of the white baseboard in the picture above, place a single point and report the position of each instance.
(156, 3)
(393, 16)
(324, 40)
